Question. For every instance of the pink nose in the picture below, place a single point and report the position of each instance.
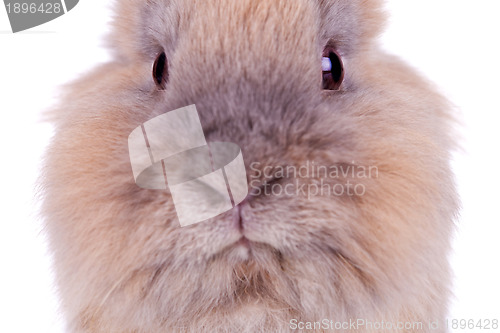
(238, 221)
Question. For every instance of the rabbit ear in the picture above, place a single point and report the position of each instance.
(351, 22)
(143, 29)
(373, 17)
(129, 29)
(126, 24)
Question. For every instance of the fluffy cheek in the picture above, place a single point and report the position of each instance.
(291, 221)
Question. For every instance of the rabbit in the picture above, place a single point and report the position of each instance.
(295, 84)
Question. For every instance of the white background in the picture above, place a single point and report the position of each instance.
(454, 42)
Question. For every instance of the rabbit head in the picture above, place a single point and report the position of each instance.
(351, 200)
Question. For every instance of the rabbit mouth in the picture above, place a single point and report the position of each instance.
(244, 250)
(244, 242)
(241, 250)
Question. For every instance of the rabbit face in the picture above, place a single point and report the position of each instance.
(362, 232)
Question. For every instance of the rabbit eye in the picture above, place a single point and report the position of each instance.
(333, 70)
(160, 71)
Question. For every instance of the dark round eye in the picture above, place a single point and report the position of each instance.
(333, 70)
(160, 71)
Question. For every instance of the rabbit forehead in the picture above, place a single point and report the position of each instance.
(144, 27)
(264, 22)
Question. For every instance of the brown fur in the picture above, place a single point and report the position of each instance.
(124, 264)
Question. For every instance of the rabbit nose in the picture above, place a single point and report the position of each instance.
(237, 220)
